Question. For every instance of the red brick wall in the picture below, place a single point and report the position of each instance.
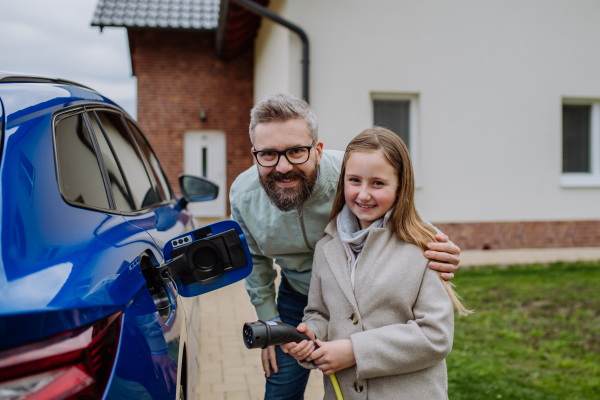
(513, 235)
(178, 74)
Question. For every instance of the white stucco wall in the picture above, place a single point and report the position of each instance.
(490, 79)
(271, 61)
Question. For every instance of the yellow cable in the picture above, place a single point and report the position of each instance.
(336, 387)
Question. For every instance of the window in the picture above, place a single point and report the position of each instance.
(120, 192)
(580, 144)
(78, 169)
(159, 176)
(394, 115)
(131, 162)
(399, 113)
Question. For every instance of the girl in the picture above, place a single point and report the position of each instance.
(382, 319)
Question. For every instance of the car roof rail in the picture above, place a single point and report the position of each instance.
(25, 78)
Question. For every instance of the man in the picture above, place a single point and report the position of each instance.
(283, 206)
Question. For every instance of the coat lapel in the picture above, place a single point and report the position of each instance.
(336, 257)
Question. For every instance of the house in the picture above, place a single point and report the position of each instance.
(498, 101)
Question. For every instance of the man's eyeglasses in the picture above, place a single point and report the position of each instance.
(294, 155)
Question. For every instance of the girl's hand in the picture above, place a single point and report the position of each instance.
(303, 349)
(299, 351)
(334, 356)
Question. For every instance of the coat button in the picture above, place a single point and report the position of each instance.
(354, 318)
(358, 386)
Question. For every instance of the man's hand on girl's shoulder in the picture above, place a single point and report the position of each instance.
(444, 256)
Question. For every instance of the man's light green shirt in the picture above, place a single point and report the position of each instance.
(288, 237)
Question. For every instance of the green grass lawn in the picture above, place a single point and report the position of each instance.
(535, 333)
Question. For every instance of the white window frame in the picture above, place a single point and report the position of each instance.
(413, 125)
(592, 178)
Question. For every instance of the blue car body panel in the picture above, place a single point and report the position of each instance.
(162, 224)
(62, 266)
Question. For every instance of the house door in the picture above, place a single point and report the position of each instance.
(205, 155)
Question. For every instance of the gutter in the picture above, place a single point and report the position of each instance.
(263, 12)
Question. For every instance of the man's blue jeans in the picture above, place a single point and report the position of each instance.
(290, 382)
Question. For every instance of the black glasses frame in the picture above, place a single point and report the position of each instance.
(284, 153)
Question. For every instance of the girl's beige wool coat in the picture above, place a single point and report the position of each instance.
(399, 317)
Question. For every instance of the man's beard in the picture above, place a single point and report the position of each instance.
(289, 198)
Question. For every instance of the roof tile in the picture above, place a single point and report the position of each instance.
(177, 14)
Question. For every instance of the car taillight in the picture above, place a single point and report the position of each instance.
(74, 364)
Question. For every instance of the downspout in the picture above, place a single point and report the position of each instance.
(222, 29)
(265, 12)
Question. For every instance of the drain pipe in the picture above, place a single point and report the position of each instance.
(265, 12)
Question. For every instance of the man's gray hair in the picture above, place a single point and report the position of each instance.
(283, 107)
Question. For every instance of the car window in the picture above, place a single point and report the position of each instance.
(78, 170)
(133, 166)
(120, 192)
(157, 171)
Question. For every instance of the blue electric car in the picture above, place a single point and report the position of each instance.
(99, 260)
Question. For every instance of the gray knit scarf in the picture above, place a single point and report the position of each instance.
(352, 237)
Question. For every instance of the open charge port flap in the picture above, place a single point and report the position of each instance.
(207, 258)
(212, 257)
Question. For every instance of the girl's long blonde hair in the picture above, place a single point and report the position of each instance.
(406, 222)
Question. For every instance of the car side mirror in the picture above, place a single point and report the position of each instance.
(195, 189)
(206, 259)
